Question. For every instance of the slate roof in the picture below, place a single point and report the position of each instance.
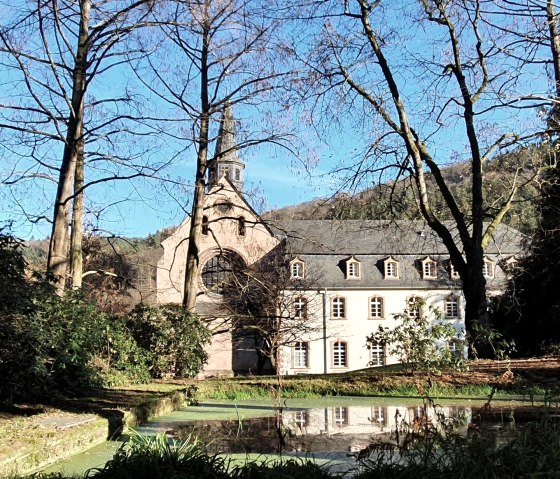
(378, 237)
(325, 245)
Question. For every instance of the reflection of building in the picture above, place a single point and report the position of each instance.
(350, 276)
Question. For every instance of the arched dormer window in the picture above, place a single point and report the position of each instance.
(297, 269)
(488, 268)
(205, 225)
(353, 268)
(429, 268)
(453, 273)
(241, 226)
(391, 268)
(510, 265)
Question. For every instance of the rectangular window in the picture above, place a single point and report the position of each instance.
(301, 419)
(429, 270)
(488, 269)
(340, 358)
(452, 308)
(353, 270)
(301, 355)
(297, 270)
(379, 415)
(339, 308)
(391, 269)
(414, 307)
(376, 307)
(376, 355)
(453, 272)
(300, 308)
(340, 416)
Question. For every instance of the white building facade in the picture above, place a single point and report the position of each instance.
(346, 278)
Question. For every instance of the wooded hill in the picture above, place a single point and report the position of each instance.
(396, 200)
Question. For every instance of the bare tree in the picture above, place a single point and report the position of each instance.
(428, 84)
(53, 53)
(269, 309)
(223, 57)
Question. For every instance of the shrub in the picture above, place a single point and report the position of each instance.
(420, 343)
(66, 346)
(174, 338)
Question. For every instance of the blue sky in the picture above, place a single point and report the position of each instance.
(279, 178)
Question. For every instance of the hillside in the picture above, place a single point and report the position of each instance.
(397, 201)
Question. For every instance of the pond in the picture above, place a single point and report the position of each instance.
(329, 429)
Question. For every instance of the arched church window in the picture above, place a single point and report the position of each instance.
(219, 270)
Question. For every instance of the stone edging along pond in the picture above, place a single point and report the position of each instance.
(63, 434)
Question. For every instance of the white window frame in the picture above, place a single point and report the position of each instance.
(353, 269)
(453, 273)
(300, 307)
(297, 269)
(414, 312)
(429, 268)
(376, 305)
(301, 355)
(340, 354)
(340, 416)
(488, 268)
(376, 355)
(391, 268)
(452, 305)
(338, 307)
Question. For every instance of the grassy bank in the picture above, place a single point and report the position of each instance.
(480, 381)
(32, 436)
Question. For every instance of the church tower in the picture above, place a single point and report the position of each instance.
(226, 162)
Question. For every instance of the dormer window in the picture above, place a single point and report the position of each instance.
(391, 267)
(488, 268)
(353, 270)
(429, 268)
(511, 264)
(297, 269)
(453, 273)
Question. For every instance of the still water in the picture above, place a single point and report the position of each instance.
(328, 429)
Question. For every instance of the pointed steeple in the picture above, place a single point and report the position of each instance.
(226, 162)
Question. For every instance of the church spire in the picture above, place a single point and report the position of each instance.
(226, 162)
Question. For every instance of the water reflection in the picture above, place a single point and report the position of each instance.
(335, 428)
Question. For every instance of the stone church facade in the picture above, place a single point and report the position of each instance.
(343, 278)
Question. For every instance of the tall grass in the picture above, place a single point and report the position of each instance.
(313, 388)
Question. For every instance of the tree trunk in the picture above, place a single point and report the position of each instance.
(58, 249)
(77, 233)
(195, 232)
